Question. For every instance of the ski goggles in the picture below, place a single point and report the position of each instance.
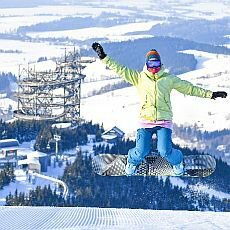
(153, 63)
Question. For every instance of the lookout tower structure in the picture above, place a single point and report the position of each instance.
(51, 94)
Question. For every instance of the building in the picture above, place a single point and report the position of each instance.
(8, 152)
(9, 147)
(113, 135)
(30, 164)
(35, 161)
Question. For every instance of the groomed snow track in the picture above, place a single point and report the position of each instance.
(32, 218)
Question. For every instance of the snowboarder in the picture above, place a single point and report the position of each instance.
(154, 86)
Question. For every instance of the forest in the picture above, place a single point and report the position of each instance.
(88, 189)
(6, 176)
(42, 132)
(6, 79)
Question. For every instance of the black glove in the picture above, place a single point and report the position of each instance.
(99, 50)
(219, 94)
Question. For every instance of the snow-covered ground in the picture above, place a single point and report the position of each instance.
(10, 23)
(98, 32)
(57, 218)
(29, 53)
(12, 18)
(25, 183)
(199, 188)
(22, 182)
(121, 107)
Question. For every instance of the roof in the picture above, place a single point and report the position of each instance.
(8, 143)
(3, 160)
(115, 130)
(28, 161)
(36, 154)
(10, 148)
(61, 125)
(109, 136)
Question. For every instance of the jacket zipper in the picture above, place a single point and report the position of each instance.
(155, 102)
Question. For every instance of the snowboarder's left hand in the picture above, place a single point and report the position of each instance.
(221, 94)
(99, 50)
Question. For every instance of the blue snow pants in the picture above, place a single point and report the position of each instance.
(164, 146)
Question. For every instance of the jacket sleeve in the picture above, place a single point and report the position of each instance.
(126, 73)
(188, 88)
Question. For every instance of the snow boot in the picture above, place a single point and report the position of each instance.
(178, 169)
(130, 169)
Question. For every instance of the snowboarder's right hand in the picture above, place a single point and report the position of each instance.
(99, 50)
(221, 94)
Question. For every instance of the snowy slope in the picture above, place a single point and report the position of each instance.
(213, 73)
(199, 188)
(12, 18)
(22, 183)
(71, 218)
(29, 52)
(98, 32)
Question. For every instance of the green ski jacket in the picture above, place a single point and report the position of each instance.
(154, 89)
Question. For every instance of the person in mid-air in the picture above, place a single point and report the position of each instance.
(154, 86)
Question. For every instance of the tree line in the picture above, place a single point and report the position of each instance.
(6, 176)
(5, 82)
(86, 189)
(43, 132)
(211, 139)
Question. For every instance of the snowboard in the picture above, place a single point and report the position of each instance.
(153, 165)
